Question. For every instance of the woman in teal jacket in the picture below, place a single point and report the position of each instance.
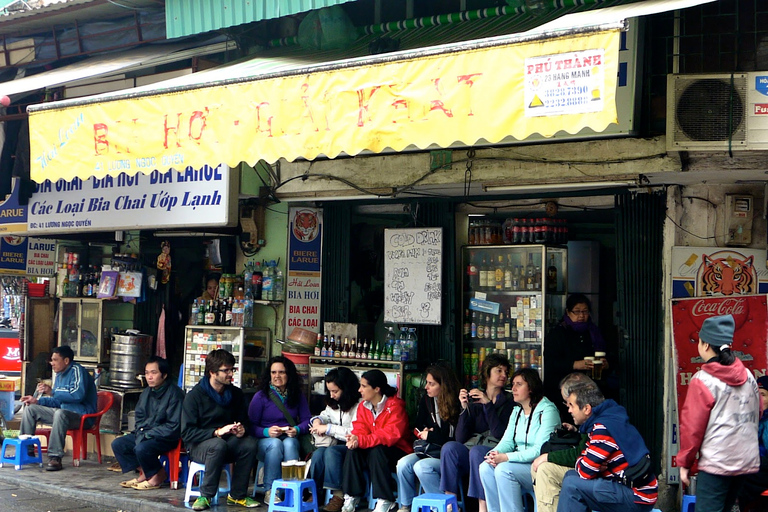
(507, 468)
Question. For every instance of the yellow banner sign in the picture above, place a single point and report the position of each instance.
(483, 95)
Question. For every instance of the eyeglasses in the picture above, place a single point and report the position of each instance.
(580, 312)
(227, 370)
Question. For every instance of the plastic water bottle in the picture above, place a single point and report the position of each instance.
(248, 313)
(267, 281)
(396, 351)
(277, 284)
(389, 342)
(414, 342)
(248, 277)
(403, 342)
(195, 312)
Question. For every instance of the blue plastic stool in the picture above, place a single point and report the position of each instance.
(293, 491)
(193, 491)
(689, 503)
(437, 501)
(21, 456)
(459, 499)
(258, 488)
(369, 485)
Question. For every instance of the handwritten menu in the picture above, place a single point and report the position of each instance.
(413, 262)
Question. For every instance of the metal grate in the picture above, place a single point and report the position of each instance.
(639, 231)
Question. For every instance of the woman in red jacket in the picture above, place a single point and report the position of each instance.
(378, 440)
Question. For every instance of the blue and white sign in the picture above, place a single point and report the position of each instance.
(173, 199)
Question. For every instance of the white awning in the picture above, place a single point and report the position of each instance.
(109, 64)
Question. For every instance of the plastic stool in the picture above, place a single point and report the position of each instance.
(21, 456)
(459, 498)
(292, 499)
(175, 463)
(258, 487)
(689, 503)
(193, 491)
(437, 501)
(369, 486)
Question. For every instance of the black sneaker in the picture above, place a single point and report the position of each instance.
(54, 464)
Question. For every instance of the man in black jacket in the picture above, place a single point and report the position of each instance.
(213, 425)
(158, 428)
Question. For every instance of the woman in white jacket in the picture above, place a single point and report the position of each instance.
(330, 429)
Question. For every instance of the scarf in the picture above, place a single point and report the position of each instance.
(223, 399)
(282, 395)
(598, 343)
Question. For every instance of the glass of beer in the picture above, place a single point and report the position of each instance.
(288, 470)
(301, 469)
(597, 369)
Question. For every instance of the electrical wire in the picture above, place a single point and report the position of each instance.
(689, 232)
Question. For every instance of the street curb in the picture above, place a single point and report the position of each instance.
(99, 498)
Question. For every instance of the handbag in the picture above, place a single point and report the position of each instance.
(305, 440)
(482, 439)
(561, 439)
(424, 448)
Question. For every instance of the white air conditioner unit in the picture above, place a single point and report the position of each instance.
(708, 112)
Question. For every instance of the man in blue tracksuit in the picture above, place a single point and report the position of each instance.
(72, 395)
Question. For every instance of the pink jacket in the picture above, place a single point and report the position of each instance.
(719, 420)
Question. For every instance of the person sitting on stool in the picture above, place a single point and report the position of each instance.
(158, 428)
(213, 427)
(73, 394)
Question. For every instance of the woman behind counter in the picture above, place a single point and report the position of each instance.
(484, 411)
(567, 345)
(378, 440)
(436, 420)
(279, 390)
(330, 429)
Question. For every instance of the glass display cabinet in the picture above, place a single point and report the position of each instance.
(87, 325)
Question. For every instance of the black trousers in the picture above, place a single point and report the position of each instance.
(380, 461)
(216, 452)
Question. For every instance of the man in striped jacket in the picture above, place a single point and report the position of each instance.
(614, 471)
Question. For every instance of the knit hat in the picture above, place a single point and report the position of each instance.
(718, 330)
(762, 382)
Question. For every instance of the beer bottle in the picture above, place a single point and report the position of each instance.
(210, 314)
(494, 327)
(500, 328)
(551, 275)
(345, 348)
(467, 323)
(324, 350)
(319, 345)
(352, 350)
(473, 326)
(483, 282)
(480, 327)
(487, 327)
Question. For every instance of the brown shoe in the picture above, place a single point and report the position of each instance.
(335, 504)
(54, 464)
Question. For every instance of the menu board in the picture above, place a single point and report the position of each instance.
(413, 262)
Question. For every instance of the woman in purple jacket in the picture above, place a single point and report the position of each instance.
(279, 388)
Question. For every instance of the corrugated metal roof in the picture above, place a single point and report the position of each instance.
(64, 12)
(189, 17)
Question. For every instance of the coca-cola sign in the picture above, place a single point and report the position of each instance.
(749, 340)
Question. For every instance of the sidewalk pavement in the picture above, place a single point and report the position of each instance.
(94, 483)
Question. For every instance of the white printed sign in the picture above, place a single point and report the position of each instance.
(41, 257)
(565, 83)
(188, 198)
(413, 262)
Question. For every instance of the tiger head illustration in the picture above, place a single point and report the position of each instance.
(727, 276)
(305, 225)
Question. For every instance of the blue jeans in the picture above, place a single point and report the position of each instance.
(273, 451)
(504, 485)
(716, 492)
(327, 463)
(144, 455)
(454, 464)
(410, 467)
(476, 457)
(580, 495)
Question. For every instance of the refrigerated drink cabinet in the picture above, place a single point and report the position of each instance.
(512, 294)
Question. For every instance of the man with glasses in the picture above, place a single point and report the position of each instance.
(158, 428)
(61, 406)
(213, 426)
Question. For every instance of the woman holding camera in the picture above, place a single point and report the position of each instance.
(438, 414)
(330, 430)
(484, 416)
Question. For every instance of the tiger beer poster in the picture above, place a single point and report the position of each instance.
(304, 273)
(749, 339)
(718, 272)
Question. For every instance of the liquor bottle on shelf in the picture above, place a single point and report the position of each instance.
(516, 278)
(530, 270)
(498, 274)
(509, 329)
(473, 277)
(552, 274)
(537, 278)
(483, 281)
(467, 323)
(319, 345)
(508, 274)
(494, 327)
(500, 328)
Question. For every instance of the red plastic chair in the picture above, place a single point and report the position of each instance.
(80, 435)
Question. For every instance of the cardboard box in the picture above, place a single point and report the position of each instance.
(10, 384)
